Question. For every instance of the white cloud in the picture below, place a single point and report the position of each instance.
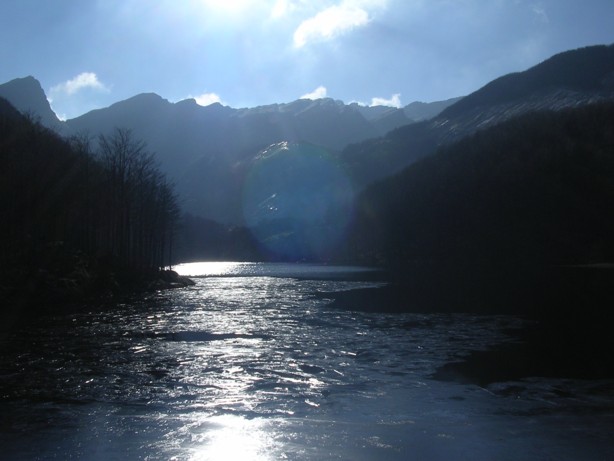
(78, 83)
(78, 95)
(319, 93)
(207, 99)
(394, 101)
(335, 20)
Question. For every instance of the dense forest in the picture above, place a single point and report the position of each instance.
(75, 220)
(538, 188)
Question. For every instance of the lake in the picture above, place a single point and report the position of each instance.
(255, 363)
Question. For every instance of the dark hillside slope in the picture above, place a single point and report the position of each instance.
(538, 188)
(7, 110)
(585, 69)
(516, 218)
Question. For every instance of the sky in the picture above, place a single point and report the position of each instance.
(89, 54)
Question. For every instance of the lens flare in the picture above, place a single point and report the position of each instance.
(297, 201)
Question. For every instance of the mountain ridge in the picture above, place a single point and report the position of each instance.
(587, 68)
(27, 95)
(569, 79)
(208, 150)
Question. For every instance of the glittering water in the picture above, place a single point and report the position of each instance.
(252, 363)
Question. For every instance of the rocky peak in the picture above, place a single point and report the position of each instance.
(28, 97)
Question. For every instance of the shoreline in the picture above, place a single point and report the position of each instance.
(50, 294)
(568, 308)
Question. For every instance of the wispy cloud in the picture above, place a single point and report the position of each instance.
(335, 20)
(394, 101)
(540, 12)
(80, 82)
(206, 99)
(319, 93)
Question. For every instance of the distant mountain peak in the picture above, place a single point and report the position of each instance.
(27, 88)
(29, 80)
(189, 102)
(145, 98)
(419, 110)
(27, 95)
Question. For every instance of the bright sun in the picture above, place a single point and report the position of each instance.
(231, 6)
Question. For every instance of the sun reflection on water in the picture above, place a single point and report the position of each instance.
(229, 438)
(210, 268)
(258, 269)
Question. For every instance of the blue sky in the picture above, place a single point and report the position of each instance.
(243, 53)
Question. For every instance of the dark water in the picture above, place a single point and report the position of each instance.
(253, 363)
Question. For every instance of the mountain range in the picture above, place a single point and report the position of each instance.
(207, 150)
(210, 152)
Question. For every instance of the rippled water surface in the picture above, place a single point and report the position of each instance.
(252, 363)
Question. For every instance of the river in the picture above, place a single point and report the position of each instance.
(254, 363)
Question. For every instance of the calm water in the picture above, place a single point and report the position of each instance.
(253, 364)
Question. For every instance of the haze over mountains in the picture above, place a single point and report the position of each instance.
(210, 152)
(205, 150)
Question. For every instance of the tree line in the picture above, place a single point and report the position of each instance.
(65, 203)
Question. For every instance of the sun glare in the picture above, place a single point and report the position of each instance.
(229, 6)
(209, 269)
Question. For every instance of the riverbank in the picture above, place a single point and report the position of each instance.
(46, 291)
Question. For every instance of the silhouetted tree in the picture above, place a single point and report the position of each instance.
(140, 207)
(63, 207)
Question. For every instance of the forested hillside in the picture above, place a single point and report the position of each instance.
(538, 188)
(72, 219)
(514, 219)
